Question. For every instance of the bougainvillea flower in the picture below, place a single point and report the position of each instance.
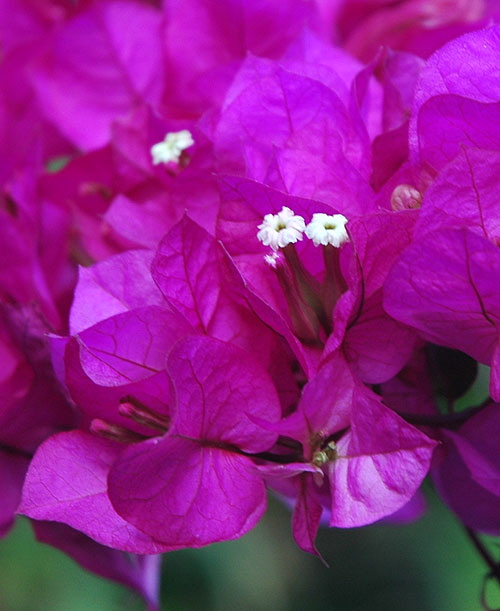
(103, 371)
(196, 279)
(268, 231)
(210, 423)
(187, 291)
(372, 461)
(29, 382)
(162, 192)
(98, 365)
(348, 309)
(196, 485)
(119, 199)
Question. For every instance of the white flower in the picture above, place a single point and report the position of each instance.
(279, 230)
(171, 147)
(273, 259)
(327, 229)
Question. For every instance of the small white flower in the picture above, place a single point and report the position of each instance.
(327, 229)
(171, 147)
(272, 259)
(279, 230)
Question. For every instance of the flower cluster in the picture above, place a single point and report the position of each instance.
(249, 259)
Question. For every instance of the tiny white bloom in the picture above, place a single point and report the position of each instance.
(327, 229)
(272, 259)
(171, 147)
(279, 230)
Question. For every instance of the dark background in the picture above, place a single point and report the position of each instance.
(429, 565)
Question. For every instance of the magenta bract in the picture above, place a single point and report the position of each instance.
(197, 485)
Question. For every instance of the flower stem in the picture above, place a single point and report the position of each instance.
(484, 553)
(450, 420)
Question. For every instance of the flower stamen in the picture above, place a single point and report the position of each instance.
(108, 430)
(140, 413)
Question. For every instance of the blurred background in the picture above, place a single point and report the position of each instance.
(429, 565)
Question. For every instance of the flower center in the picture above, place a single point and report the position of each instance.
(324, 455)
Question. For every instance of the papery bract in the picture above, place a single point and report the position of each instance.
(280, 111)
(67, 482)
(444, 281)
(102, 402)
(414, 25)
(462, 122)
(90, 61)
(382, 461)
(373, 461)
(186, 269)
(197, 279)
(201, 68)
(467, 67)
(468, 471)
(464, 195)
(116, 285)
(359, 322)
(110, 358)
(196, 486)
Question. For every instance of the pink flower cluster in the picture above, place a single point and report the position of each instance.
(244, 247)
